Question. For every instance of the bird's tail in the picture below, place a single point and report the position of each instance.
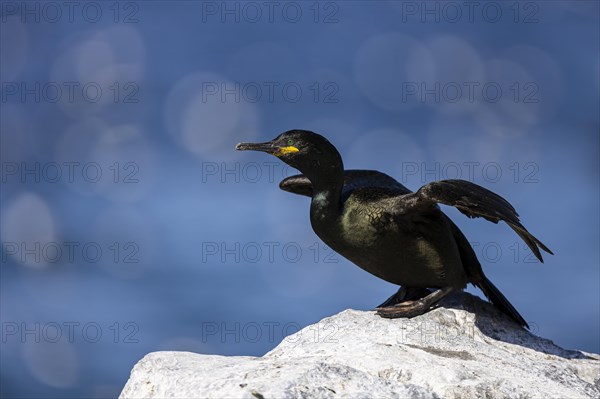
(500, 301)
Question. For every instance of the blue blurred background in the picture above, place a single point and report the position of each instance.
(130, 224)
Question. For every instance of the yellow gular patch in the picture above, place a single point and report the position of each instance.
(286, 150)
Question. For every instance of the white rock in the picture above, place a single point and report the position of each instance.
(463, 349)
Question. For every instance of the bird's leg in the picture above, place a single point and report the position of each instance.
(405, 294)
(413, 308)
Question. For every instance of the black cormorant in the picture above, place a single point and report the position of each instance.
(397, 235)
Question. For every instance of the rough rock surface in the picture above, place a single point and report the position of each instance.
(463, 349)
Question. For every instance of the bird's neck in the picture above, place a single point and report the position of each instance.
(327, 192)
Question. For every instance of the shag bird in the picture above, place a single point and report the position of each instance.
(391, 232)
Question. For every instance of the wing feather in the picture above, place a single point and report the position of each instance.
(475, 201)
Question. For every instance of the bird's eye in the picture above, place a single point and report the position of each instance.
(290, 142)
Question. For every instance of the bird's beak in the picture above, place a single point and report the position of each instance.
(267, 147)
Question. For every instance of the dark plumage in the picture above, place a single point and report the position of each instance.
(395, 234)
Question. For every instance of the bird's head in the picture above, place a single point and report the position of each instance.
(306, 151)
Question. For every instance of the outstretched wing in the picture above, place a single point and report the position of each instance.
(353, 179)
(473, 201)
(297, 184)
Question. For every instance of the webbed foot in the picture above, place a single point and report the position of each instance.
(405, 294)
(413, 308)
